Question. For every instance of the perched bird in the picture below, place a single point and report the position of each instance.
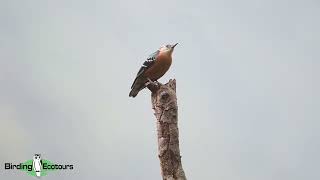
(156, 65)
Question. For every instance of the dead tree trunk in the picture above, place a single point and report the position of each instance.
(164, 103)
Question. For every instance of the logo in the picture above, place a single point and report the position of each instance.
(37, 166)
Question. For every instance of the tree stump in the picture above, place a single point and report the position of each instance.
(164, 104)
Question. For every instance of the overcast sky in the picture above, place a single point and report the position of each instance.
(247, 84)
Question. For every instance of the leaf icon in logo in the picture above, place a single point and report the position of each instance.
(28, 167)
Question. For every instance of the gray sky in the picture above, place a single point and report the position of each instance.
(247, 84)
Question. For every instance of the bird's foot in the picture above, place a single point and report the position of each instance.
(152, 85)
(149, 82)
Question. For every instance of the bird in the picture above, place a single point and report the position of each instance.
(37, 162)
(156, 65)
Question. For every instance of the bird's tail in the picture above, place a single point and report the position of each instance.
(137, 86)
(133, 93)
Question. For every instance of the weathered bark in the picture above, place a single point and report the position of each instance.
(164, 103)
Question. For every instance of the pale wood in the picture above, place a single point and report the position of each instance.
(164, 103)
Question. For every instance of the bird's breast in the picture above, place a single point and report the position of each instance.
(160, 67)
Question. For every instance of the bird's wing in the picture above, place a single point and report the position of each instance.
(147, 64)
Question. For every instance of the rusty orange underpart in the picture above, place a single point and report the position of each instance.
(160, 67)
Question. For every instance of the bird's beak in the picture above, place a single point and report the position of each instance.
(174, 45)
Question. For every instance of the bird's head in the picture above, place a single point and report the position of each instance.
(167, 48)
(37, 157)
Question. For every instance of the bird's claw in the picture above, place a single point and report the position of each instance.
(147, 83)
(152, 85)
